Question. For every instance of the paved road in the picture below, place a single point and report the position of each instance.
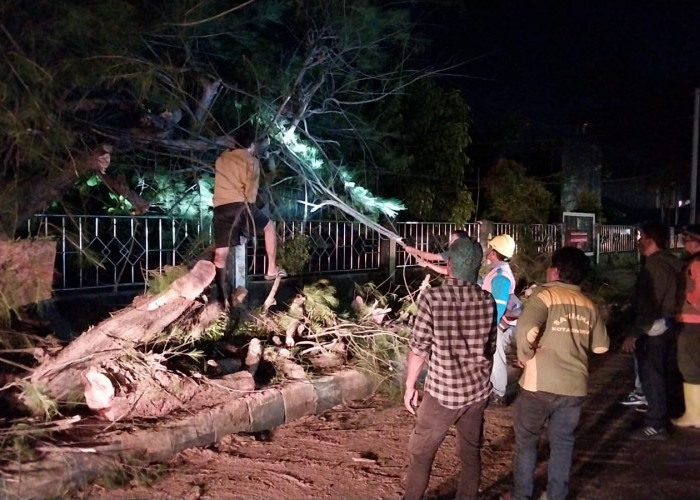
(609, 465)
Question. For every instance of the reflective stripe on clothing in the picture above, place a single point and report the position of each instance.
(500, 272)
(689, 291)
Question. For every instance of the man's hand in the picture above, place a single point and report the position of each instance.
(629, 343)
(410, 399)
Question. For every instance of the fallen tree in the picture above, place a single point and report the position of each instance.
(139, 324)
(120, 366)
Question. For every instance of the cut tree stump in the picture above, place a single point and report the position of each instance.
(159, 393)
(138, 324)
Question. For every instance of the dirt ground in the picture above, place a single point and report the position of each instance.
(359, 451)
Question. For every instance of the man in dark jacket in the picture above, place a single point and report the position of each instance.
(652, 337)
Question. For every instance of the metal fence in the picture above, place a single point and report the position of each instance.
(612, 239)
(112, 252)
(103, 252)
(335, 246)
(545, 237)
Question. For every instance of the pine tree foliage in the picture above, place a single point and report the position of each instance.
(158, 88)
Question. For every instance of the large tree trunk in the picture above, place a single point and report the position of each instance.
(135, 325)
(147, 390)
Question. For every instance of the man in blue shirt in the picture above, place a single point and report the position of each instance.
(500, 282)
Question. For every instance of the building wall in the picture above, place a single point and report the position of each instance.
(581, 169)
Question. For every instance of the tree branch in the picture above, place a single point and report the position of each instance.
(120, 186)
(32, 197)
(211, 89)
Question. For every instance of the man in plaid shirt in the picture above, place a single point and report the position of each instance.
(455, 333)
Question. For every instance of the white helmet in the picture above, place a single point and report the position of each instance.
(503, 244)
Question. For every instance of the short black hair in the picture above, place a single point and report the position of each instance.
(460, 233)
(245, 135)
(572, 263)
(656, 231)
(692, 232)
(464, 256)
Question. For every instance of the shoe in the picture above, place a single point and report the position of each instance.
(633, 399)
(280, 272)
(641, 408)
(649, 433)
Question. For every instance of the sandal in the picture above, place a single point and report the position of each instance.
(280, 272)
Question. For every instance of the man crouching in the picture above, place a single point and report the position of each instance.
(455, 333)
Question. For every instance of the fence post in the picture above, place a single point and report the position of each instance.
(388, 248)
(486, 232)
(238, 264)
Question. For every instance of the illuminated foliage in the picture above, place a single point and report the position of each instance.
(163, 85)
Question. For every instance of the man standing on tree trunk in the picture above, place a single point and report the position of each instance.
(235, 213)
(455, 333)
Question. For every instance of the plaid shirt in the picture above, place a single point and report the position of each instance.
(455, 330)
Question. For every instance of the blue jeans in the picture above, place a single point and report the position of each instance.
(561, 414)
(499, 372)
(432, 424)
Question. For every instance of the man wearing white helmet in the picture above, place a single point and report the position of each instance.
(500, 282)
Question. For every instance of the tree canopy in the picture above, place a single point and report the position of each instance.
(131, 103)
(513, 196)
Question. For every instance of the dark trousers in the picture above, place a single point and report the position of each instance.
(432, 424)
(661, 380)
(532, 411)
(689, 352)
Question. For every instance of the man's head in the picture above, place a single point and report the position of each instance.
(691, 238)
(653, 236)
(245, 135)
(464, 259)
(501, 247)
(569, 265)
(458, 233)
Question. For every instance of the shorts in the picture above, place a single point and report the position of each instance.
(233, 220)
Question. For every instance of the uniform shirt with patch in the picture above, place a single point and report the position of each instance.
(558, 328)
(455, 330)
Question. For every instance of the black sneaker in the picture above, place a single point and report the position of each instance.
(649, 433)
(633, 399)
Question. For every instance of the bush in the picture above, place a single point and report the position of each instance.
(294, 254)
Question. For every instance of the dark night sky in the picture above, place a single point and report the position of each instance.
(628, 68)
